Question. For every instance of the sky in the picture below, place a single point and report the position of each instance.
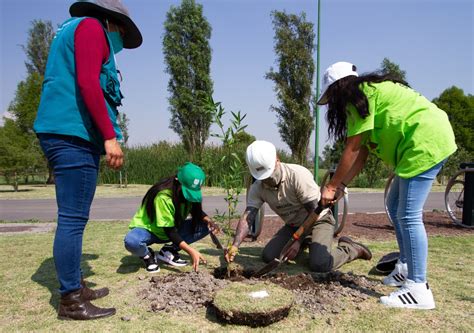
(432, 40)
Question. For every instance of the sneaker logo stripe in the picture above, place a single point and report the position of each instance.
(401, 299)
(412, 298)
(406, 298)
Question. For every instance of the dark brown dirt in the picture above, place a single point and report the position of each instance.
(239, 313)
(253, 319)
(377, 226)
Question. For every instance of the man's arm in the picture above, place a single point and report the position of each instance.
(242, 231)
(247, 219)
(311, 206)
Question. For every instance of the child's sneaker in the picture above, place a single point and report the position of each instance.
(151, 265)
(170, 256)
(412, 296)
(398, 276)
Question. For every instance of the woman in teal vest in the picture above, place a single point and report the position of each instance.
(75, 124)
(382, 114)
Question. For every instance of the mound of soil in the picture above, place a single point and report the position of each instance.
(182, 291)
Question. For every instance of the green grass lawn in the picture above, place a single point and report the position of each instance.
(28, 298)
(102, 191)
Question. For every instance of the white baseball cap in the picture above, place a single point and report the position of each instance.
(335, 72)
(261, 158)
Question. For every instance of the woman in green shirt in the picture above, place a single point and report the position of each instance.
(162, 218)
(383, 115)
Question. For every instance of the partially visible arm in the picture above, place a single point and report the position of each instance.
(311, 206)
(173, 235)
(352, 161)
(242, 231)
(90, 52)
(243, 227)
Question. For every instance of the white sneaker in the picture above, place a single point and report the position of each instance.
(398, 276)
(170, 257)
(412, 296)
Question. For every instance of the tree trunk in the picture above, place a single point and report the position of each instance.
(50, 179)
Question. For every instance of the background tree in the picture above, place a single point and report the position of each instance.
(388, 67)
(22, 154)
(460, 110)
(40, 36)
(123, 122)
(188, 58)
(294, 45)
(27, 96)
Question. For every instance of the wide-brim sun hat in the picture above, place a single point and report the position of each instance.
(191, 177)
(261, 159)
(113, 9)
(333, 73)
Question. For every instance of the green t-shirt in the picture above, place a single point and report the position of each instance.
(164, 215)
(403, 128)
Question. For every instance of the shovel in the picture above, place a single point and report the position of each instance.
(302, 230)
(216, 241)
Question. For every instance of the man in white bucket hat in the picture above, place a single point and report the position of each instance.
(291, 192)
(76, 123)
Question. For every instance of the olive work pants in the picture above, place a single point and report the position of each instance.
(322, 257)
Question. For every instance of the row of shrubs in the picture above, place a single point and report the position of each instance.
(146, 164)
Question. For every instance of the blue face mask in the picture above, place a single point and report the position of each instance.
(116, 40)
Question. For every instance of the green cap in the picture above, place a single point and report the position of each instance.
(191, 178)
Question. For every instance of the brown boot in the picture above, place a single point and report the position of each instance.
(363, 251)
(73, 306)
(89, 294)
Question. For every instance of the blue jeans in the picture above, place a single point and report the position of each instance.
(405, 203)
(76, 164)
(137, 240)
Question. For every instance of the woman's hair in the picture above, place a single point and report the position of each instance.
(170, 183)
(348, 91)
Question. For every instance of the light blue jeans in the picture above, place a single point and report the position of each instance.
(405, 203)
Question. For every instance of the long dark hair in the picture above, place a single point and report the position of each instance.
(171, 183)
(348, 91)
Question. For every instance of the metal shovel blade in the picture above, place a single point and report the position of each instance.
(267, 268)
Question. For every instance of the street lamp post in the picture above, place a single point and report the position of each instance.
(316, 108)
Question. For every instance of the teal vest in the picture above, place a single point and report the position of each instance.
(62, 109)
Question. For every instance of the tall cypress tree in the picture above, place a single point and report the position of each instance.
(188, 58)
(294, 45)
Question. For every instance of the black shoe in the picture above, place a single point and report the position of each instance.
(171, 257)
(74, 306)
(151, 265)
(89, 294)
(363, 251)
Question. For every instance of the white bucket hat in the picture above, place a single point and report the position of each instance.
(261, 158)
(112, 9)
(335, 72)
